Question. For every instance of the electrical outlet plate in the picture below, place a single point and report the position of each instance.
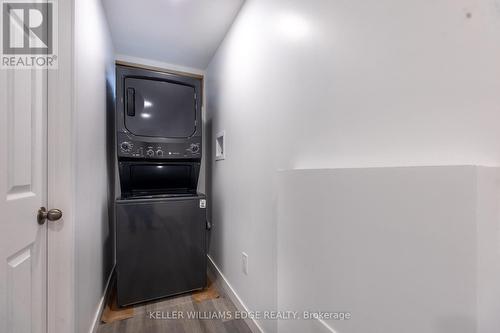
(244, 261)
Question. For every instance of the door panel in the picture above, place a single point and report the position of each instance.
(23, 174)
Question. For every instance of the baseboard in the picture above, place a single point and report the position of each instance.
(102, 303)
(220, 280)
(323, 327)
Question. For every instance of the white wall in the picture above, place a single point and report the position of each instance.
(394, 83)
(93, 98)
(301, 84)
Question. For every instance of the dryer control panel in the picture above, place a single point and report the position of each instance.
(127, 147)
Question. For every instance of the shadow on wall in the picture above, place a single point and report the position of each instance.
(208, 179)
(108, 229)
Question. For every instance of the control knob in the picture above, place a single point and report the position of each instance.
(150, 153)
(126, 146)
(195, 148)
(159, 153)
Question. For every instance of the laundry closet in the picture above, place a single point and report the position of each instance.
(161, 222)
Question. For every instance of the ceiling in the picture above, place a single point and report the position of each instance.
(180, 32)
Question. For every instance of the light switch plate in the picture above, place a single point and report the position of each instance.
(244, 261)
(220, 146)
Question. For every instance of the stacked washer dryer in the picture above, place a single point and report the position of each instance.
(160, 218)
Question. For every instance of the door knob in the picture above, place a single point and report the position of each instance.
(51, 215)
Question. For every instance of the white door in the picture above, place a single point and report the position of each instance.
(23, 190)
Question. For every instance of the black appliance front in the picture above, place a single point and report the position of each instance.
(161, 247)
(158, 108)
(160, 218)
(147, 178)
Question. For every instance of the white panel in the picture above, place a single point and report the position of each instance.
(19, 280)
(21, 104)
(384, 244)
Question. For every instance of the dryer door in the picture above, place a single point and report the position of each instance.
(158, 108)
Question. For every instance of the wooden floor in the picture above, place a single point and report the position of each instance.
(142, 321)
